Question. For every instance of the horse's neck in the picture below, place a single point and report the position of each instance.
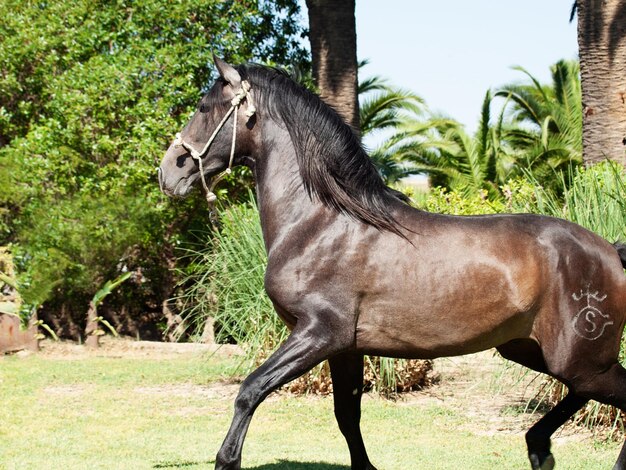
(281, 197)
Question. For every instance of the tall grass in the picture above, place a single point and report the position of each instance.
(595, 198)
(224, 285)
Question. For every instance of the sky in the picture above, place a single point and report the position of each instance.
(450, 52)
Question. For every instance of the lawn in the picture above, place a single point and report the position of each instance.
(172, 411)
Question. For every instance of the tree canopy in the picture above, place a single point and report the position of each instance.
(91, 92)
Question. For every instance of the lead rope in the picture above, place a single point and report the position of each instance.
(243, 94)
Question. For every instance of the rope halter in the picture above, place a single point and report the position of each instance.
(241, 95)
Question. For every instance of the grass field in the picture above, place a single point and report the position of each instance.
(147, 411)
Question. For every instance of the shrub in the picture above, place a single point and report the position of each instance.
(445, 201)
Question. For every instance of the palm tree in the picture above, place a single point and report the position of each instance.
(602, 52)
(332, 32)
(544, 122)
(538, 129)
(419, 142)
(386, 112)
(472, 164)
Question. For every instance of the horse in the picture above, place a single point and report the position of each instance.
(353, 269)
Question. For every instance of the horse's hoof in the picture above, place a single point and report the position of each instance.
(221, 466)
(222, 463)
(541, 461)
(362, 466)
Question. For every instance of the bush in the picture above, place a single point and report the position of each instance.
(445, 201)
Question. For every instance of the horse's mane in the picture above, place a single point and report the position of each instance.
(333, 165)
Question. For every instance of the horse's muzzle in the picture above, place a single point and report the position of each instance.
(166, 187)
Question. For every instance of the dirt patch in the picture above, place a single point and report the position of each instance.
(219, 390)
(74, 390)
(494, 398)
(128, 348)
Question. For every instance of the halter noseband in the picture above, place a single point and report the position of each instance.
(241, 95)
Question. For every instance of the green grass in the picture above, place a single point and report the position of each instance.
(138, 413)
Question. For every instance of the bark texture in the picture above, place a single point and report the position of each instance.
(92, 332)
(332, 31)
(602, 46)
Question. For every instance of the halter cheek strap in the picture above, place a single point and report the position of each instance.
(244, 93)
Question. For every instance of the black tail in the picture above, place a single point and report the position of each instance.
(621, 251)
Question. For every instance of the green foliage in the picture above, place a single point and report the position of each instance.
(108, 288)
(444, 201)
(474, 164)
(137, 42)
(518, 195)
(399, 116)
(91, 93)
(10, 298)
(595, 198)
(537, 129)
(544, 122)
(440, 148)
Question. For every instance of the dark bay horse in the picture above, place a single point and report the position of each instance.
(353, 270)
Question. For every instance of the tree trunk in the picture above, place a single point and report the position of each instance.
(92, 332)
(602, 51)
(168, 306)
(332, 32)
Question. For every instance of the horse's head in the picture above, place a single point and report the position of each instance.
(207, 145)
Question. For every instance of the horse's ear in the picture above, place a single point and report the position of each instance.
(227, 72)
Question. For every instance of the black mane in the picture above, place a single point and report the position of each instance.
(333, 165)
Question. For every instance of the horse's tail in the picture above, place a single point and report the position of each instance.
(621, 251)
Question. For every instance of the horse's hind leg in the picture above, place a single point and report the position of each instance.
(347, 373)
(303, 350)
(538, 436)
(609, 387)
(528, 353)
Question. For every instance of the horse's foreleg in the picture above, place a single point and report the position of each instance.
(297, 355)
(538, 437)
(347, 373)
